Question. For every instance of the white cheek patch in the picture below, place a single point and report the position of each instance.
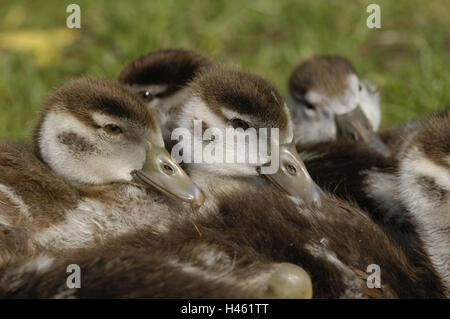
(314, 97)
(52, 151)
(306, 124)
(439, 174)
(339, 105)
(353, 83)
(351, 95)
(314, 131)
(110, 162)
(336, 105)
(56, 123)
(370, 104)
(195, 108)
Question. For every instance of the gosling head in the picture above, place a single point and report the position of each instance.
(226, 102)
(424, 172)
(328, 100)
(159, 79)
(97, 132)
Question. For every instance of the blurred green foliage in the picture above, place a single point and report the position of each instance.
(408, 58)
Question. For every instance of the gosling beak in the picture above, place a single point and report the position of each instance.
(293, 178)
(163, 173)
(354, 126)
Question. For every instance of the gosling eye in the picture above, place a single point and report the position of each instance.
(238, 123)
(360, 87)
(146, 95)
(112, 129)
(308, 105)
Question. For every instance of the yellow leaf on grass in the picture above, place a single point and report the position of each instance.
(45, 45)
(13, 18)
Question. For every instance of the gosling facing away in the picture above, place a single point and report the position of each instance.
(329, 101)
(159, 78)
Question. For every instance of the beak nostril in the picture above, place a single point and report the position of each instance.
(291, 169)
(168, 169)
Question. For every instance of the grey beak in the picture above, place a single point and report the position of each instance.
(162, 172)
(354, 126)
(293, 177)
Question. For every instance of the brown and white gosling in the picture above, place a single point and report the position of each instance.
(97, 170)
(407, 194)
(160, 78)
(423, 187)
(329, 101)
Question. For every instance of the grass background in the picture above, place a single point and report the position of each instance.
(408, 58)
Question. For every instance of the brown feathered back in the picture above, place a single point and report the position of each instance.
(252, 229)
(324, 74)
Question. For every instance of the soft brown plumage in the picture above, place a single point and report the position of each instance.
(171, 67)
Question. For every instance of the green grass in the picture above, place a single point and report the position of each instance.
(408, 58)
